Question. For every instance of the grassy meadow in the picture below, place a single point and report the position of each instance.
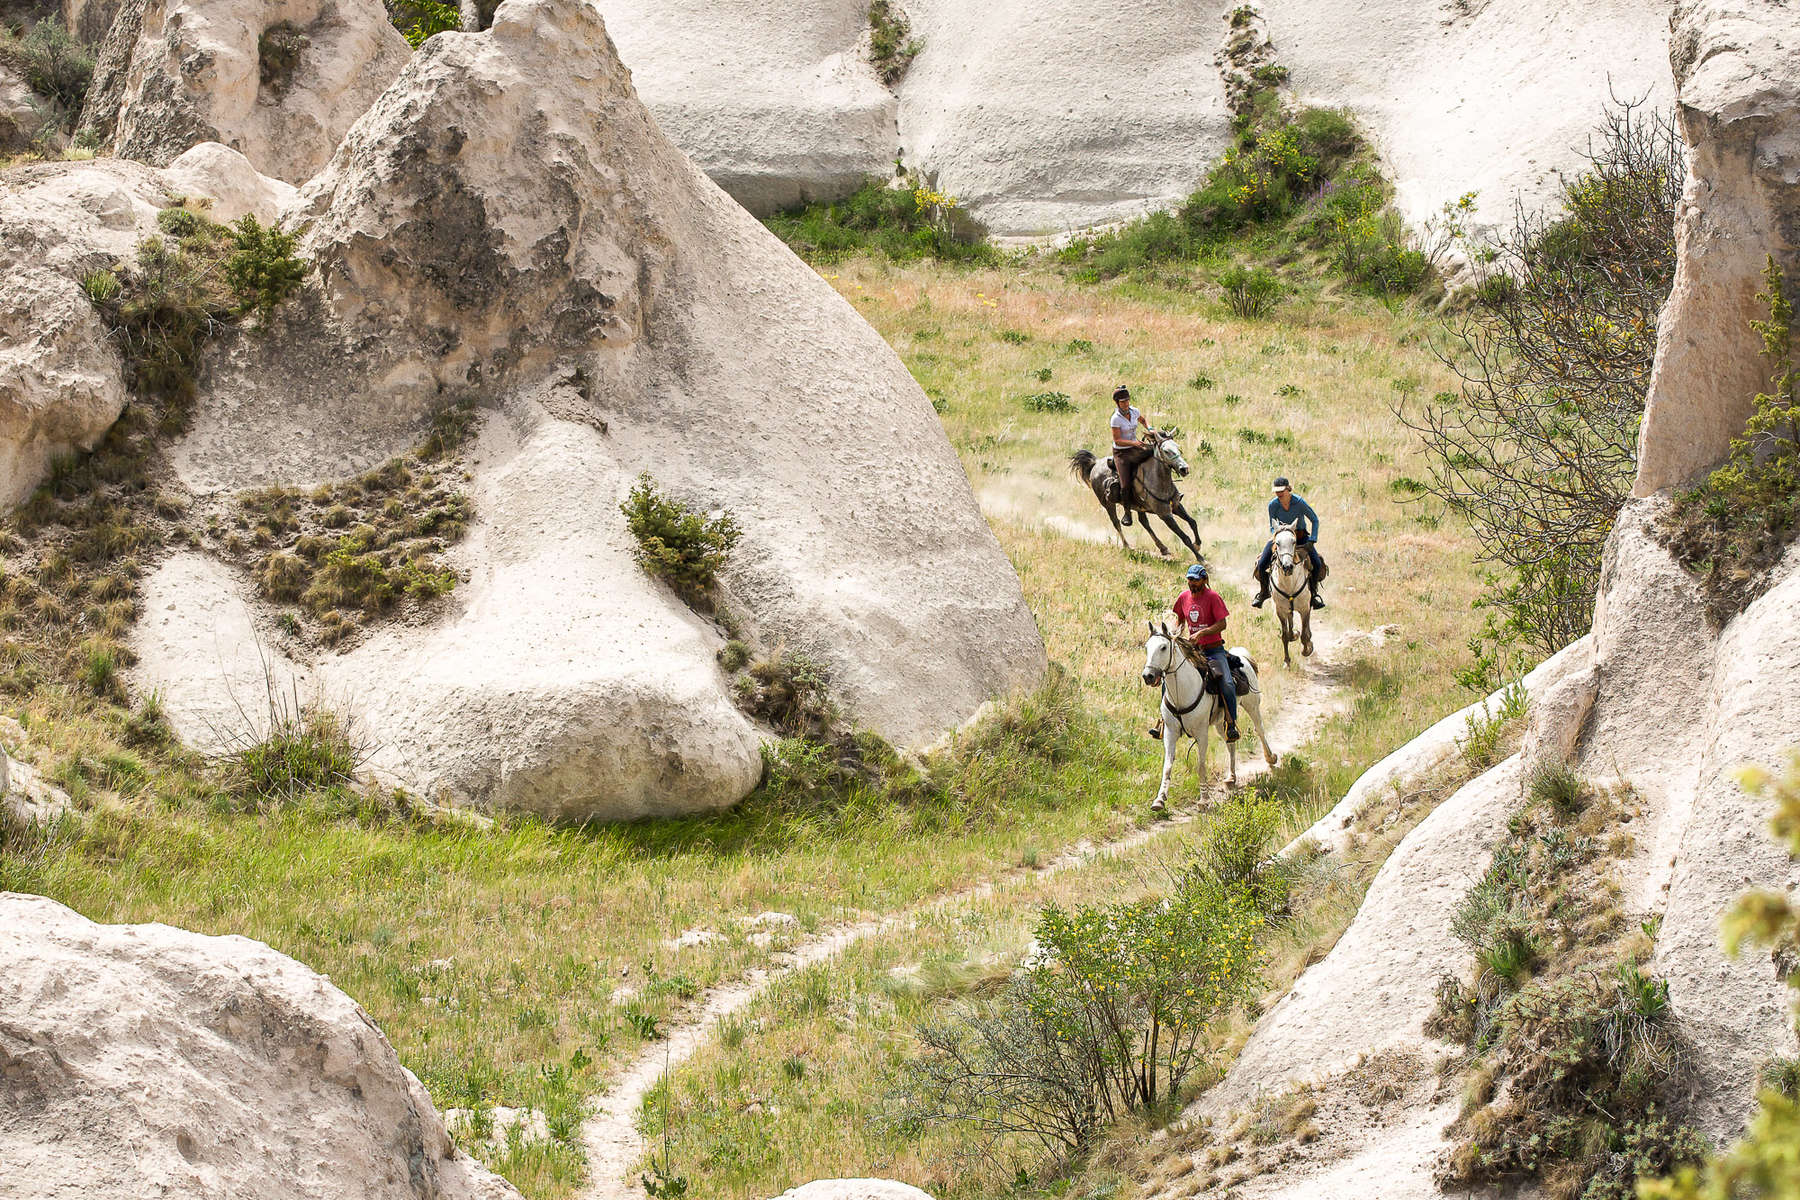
(523, 964)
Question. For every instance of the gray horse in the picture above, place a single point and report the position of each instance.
(1153, 487)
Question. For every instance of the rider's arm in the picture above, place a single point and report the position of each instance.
(1313, 520)
(1217, 626)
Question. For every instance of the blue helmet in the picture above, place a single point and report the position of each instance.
(1197, 571)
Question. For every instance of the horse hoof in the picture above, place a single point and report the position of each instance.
(1270, 759)
(1306, 650)
(1157, 805)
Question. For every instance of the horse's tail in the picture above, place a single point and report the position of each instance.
(1081, 464)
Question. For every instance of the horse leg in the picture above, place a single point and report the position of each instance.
(1254, 703)
(1176, 529)
(1306, 629)
(1144, 524)
(1182, 512)
(1171, 735)
(1204, 741)
(1286, 617)
(1112, 514)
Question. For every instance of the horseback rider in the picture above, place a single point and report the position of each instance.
(1129, 431)
(1201, 613)
(1284, 509)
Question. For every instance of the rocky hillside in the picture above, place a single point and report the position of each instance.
(504, 241)
(1657, 702)
(1042, 119)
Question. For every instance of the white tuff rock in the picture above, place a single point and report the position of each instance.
(140, 1060)
(854, 1189)
(174, 73)
(1739, 92)
(507, 224)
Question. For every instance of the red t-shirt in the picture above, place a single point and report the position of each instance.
(1197, 612)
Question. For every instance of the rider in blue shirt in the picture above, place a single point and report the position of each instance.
(1285, 509)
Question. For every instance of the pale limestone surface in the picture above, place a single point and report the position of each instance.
(174, 73)
(226, 178)
(1738, 77)
(19, 112)
(854, 1189)
(1496, 97)
(777, 103)
(507, 224)
(1043, 118)
(143, 1060)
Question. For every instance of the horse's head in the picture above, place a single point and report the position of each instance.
(1159, 655)
(1169, 455)
(1287, 544)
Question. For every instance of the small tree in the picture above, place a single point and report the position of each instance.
(678, 544)
(1539, 448)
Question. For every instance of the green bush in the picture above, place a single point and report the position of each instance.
(677, 544)
(1113, 1015)
(305, 749)
(1049, 402)
(419, 19)
(1249, 292)
(900, 224)
(1240, 853)
(263, 269)
(278, 52)
(54, 65)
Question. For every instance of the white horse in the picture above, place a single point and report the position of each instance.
(1187, 707)
(1290, 578)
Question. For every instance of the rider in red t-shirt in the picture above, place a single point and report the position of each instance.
(1202, 614)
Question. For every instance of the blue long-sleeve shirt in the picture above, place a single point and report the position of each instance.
(1297, 508)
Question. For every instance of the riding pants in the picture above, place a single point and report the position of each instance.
(1268, 559)
(1221, 662)
(1125, 462)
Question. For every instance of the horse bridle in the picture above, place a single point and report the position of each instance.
(1162, 682)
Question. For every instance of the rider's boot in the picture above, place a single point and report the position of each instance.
(1156, 730)
(1318, 601)
(1231, 730)
(1262, 592)
(1126, 519)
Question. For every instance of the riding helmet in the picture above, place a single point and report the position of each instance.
(1121, 392)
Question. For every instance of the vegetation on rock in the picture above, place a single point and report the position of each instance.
(1537, 450)
(55, 66)
(678, 545)
(419, 19)
(1765, 1164)
(1735, 527)
(1573, 1054)
(900, 223)
(892, 47)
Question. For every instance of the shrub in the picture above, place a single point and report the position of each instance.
(304, 749)
(790, 690)
(1112, 1015)
(263, 268)
(677, 544)
(1558, 787)
(419, 19)
(1249, 293)
(1049, 402)
(902, 225)
(891, 44)
(278, 51)
(54, 65)
(1240, 853)
(1736, 526)
(1538, 450)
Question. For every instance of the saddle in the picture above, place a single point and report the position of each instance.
(1211, 674)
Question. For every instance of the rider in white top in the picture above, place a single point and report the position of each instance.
(1129, 431)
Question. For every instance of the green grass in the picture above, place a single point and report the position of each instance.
(524, 964)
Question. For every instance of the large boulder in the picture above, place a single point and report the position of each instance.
(62, 383)
(1739, 108)
(21, 113)
(508, 225)
(278, 80)
(143, 1060)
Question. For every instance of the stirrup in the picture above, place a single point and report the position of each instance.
(1231, 731)
(1155, 731)
(1126, 519)
(1318, 601)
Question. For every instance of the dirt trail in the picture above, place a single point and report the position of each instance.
(611, 1136)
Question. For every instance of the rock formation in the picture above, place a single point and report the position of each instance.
(19, 113)
(507, 225)
(1738, 81)
(140, 1060)
(1044, 119)
(278, 80)
(776, 121)
(61, 381)
(854, 1189)
(1653, 697)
